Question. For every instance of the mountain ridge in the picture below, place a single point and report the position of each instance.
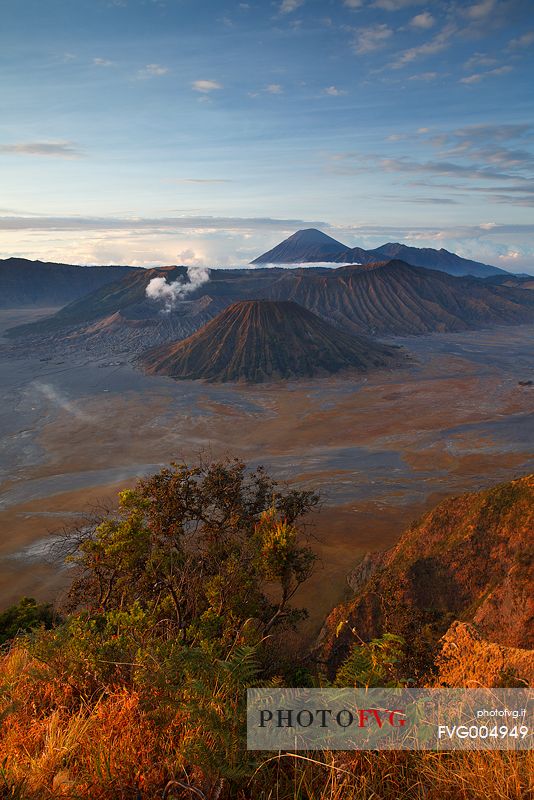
(303, 246)
(47, 283)
(385, 298)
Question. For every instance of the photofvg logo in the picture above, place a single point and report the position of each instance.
(323, 717)
(388, 719)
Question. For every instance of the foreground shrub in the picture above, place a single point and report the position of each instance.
(181, 600)
(24, 616)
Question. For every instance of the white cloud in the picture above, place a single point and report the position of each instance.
(288, 6)
(439, 42)
(424, 76)
(394, 5)
(199, 180)
(353, 3)
(480, 10)
(206, 86)
(494, 133)
(155, 225)
(423, 130)
(479, 76)
(52, 149)
(424, 21)
(153, 71)
(333, 91)
(354, 164)
(479, 60)
(103, 62)
(372, 38)
(522, 41)
(274, 88)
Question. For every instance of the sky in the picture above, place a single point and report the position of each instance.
(153, 132)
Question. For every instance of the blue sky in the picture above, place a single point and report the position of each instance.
(173, 131)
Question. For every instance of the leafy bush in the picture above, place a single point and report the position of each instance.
(24, 616)
(376, 663)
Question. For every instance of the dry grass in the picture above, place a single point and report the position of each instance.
(407, 776)
(55, 744)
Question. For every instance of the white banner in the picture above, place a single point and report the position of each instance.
(389, 719)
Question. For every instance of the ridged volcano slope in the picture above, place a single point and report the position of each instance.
(394, 298)
(261, 340)
(389, 299)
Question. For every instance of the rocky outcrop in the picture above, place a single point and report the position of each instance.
(470, 559)
(467, 659)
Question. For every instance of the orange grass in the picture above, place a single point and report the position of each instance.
(55, 744)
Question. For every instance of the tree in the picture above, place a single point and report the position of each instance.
(202, 548)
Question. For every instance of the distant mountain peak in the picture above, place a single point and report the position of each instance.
(312, 235)
(307, 245)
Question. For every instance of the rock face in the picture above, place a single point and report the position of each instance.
(38, 283)
(261, 340)
(312, 245)
(469, 559)
(466, 659)
(303, 246)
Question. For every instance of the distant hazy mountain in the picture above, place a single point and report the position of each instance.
(436, 259)
(303, 246)
(43, 283)
(313, 245)
(262, 340)
(388, 298)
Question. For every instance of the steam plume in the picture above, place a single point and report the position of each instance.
(171, 293)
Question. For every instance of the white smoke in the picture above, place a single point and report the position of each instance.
(170, 293)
